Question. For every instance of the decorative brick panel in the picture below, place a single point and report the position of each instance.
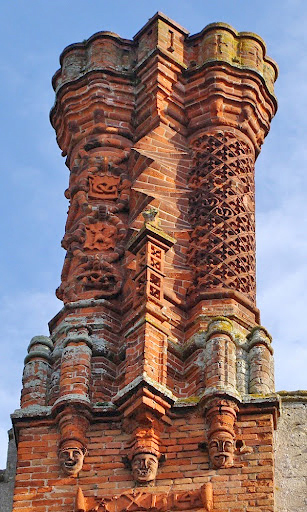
(222, 212)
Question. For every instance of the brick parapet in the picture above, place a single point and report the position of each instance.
(221, 42)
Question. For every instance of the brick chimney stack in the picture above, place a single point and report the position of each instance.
(155, 389)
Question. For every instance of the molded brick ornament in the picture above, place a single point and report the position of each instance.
(73, 423)
(144, 448)
(136, 501)
(221, 450)
(96, 243)
(150, 246)
(99, 231)
(95, 234)
(144, 467)
(221, 436)
(222, 249)
(71, 457)
(103, 187)
(92, 181)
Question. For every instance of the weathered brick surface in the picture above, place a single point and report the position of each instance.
(40, 484)
(157, 359)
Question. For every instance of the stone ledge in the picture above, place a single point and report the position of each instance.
(293, 396)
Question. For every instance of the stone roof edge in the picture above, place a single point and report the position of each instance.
(293, 396)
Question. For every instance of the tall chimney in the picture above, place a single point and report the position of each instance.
(157, 389)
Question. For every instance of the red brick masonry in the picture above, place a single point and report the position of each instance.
(155, 390)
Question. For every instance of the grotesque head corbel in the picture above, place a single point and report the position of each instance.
(221, 417)
(73, 424)
(144, 468)
(221, 448)
(144, 449)
(71, 456)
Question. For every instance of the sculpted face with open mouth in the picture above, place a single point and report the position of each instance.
(221, 450)
(71, 459)
(144, 467)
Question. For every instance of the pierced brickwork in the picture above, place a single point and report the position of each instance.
(155, 390)
(222, 212)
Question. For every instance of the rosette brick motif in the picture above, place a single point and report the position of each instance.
(222, 250)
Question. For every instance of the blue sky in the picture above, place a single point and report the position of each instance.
(34, 177)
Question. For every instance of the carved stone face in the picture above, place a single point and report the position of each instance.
(221, 450)
(144, 467)
(71, 460)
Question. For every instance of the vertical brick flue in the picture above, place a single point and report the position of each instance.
(155, 390)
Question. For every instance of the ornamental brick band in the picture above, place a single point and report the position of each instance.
(200, 499)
